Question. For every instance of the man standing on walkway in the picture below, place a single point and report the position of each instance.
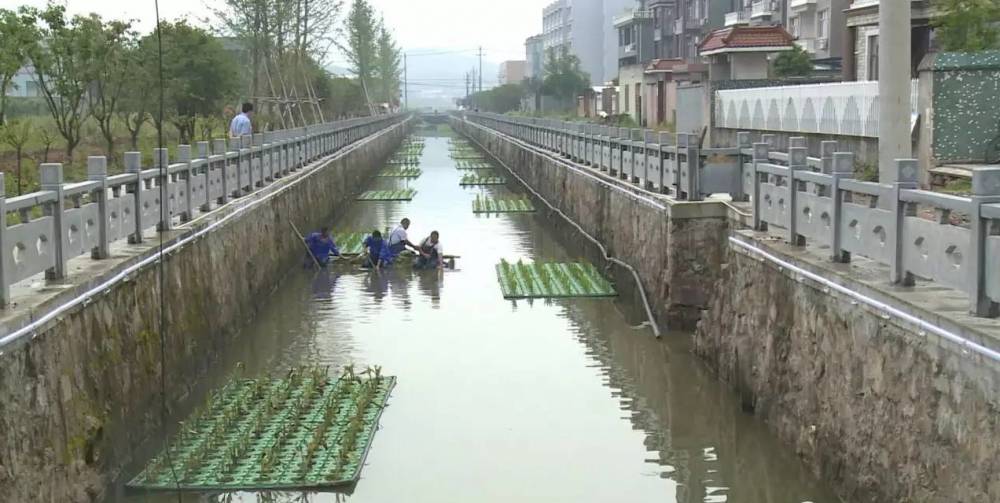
(241, 123)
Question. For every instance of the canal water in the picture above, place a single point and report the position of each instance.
(501, 401)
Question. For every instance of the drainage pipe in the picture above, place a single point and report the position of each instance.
(604, 251)
(964, 343)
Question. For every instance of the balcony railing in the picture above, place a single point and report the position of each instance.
(801, 4)
(761, 8)
(737, 17)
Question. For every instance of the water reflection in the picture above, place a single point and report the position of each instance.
(502, 401)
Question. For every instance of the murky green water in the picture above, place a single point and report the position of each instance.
(500, 401)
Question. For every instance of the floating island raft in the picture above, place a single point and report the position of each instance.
(387, 195)
(502, 205)
(551, 280)
(306, 430)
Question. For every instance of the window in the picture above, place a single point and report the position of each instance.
(626, 98)
(872, 53)
(793, 26)
(821, 20)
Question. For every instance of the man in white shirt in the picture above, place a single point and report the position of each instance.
(241, 124)
(431, 253)
(398, 240)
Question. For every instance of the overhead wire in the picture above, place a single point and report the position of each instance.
(162, 271)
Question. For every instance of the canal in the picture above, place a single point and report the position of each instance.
(499, 401)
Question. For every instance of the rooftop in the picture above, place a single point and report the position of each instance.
(746, 39)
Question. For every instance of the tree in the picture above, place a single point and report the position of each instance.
(344, 97)
(793, 63)
(198, 75)
(16, 134)
(64, 59)
(968, 25)
(563, 77)
(137, 97)
(387, 64)
(17, 30)
(501, 99)
(113, 58)
(361, 49)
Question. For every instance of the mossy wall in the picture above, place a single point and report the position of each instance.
(80, 399)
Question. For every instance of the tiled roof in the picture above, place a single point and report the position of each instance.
(745, 37)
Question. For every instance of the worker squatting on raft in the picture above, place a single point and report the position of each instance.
(431, 254)
(321, 247)
(376, 254)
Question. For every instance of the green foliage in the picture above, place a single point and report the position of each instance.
(387, 65)
(793, 63)
(198, 74)
(500, 99)
(65, 57)
(16, 134)
(114, 57)
(361, 48)
(968, 25)
(563, 76)
(17, 31)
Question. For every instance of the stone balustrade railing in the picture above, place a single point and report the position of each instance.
(951, 240)
(42, 230)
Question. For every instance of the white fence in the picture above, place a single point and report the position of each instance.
(842, 108)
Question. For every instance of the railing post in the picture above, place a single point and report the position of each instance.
(162, 164)
(693, 154)
(843, 167)
(4, 249)
(826, 151)
(257, 153)
(133, 165)
(245, 161)
(985, 190)
(663, 153)
(905, 171)
(219, 148)
(203, 153)
(742, 142)
(184, 156)
(268, 155)
(796, 161)
(52, 180)
(97, 171)
(760, 155)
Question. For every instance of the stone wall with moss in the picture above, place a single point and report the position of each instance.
(79, 399)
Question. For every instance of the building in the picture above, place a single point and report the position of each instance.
(758, 13)
(818, 28)
(861, 37)
(534, 57)
(609, 36)
(511, 72)
(24, 84)
(582, 28)
(741, 52)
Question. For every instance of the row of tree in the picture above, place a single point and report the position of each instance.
(562, 78)
(89, 68)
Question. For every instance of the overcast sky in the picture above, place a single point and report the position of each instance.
(499, 26)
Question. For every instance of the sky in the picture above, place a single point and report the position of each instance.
(499, 26)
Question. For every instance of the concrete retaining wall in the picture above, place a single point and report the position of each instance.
(78, 400)
(875, 407)
(676, 247)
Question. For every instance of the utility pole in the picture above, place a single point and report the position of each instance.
(893, 87)
(480, 68)
(466, 89)
(406, 102)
